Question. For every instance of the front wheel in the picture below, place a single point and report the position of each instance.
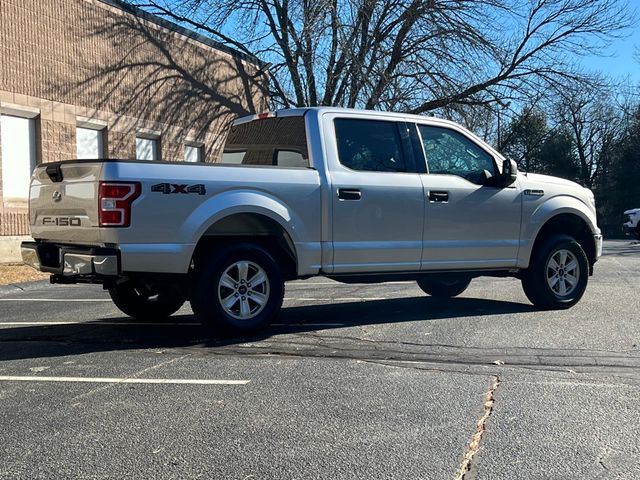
(557, 275)
(146, 302)
(444, 287)
(239, 289)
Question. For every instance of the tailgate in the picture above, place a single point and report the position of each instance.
(63, 202)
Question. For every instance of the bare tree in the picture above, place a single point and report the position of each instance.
(409, 55)
(595, 125)
(525, 137)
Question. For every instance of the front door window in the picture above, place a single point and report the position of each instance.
(450, 153)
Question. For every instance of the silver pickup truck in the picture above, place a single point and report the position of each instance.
(356, 196)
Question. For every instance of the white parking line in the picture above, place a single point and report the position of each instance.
(307, 324)
(311, 284)
(55, 300)
(305, 299)
(337, 299)
(136, 324)
(164, 381)
(153, 324)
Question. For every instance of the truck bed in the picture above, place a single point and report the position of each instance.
(177, 204)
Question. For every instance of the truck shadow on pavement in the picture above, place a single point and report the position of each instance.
(622, 249)
(181, 331)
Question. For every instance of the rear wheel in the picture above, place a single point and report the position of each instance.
(558, 273)
(445, 287)
(638, 231)
(239, 289)
(146, 302)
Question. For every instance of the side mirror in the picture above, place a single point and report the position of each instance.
(509, 173)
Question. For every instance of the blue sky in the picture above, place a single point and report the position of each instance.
(618, 59)
(621, 60)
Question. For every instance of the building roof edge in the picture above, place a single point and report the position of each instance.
(174, 27)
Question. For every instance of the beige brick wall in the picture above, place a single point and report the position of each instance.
(86, 59)
(14, 223)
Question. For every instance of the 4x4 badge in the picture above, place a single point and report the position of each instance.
(167, 188)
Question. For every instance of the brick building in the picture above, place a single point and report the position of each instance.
(103, 79)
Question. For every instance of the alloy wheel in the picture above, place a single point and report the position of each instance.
(563, 272)
(243, 290)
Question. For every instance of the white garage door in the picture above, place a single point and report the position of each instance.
(18, 138)
(89, 143)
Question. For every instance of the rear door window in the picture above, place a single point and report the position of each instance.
(370, 145)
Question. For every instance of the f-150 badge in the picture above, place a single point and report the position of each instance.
(62, 221)
(168, 188)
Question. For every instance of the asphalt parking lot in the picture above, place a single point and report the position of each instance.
(354, 382)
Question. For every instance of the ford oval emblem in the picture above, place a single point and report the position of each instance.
(57, 196)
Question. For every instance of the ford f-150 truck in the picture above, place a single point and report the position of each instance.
(356, 196)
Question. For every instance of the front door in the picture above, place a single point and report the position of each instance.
(377, 198)
(468, 223)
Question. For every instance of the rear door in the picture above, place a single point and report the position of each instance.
(377, 196)
(64, 202)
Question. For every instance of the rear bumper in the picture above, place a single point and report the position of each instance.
(72, 260)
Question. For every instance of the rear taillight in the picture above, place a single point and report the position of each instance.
(114, 203)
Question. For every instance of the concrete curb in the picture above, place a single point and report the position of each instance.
(22, 287)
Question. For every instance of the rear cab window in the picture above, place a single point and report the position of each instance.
(275, 142)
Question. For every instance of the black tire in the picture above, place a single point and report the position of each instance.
(638, 231)
(535, 280)
(262, 300)
(444, 287)
(146, 302)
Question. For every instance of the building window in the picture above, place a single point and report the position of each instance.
(147, 148)
(89, 143)
(193, 153)
(18, 137)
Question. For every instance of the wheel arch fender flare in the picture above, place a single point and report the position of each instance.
(562, 205)
(242, 201)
